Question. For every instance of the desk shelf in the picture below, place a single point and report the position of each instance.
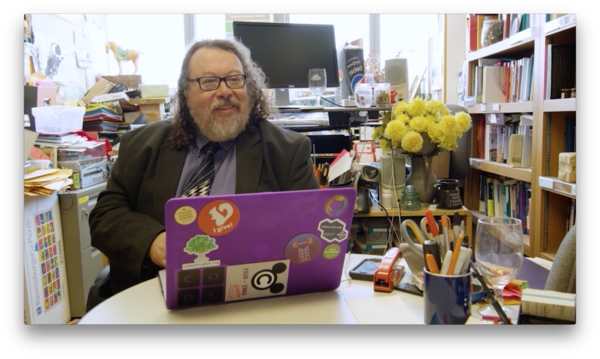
(464, 213)
(501, 169)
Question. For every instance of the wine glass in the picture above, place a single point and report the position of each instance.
(499, 255)
(317, 82)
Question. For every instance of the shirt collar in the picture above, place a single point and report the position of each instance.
(201, 140)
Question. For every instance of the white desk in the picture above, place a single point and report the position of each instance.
(354, 302)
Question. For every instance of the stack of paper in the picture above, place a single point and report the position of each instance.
(46, 181)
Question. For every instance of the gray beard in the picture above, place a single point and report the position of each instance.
(218, 128)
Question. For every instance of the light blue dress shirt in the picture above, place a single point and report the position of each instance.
(225, 161)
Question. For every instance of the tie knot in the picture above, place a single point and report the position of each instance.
(211, 147)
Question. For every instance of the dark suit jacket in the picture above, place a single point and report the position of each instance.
(130, 212)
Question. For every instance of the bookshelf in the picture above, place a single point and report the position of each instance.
(548, 219)
(555, 198)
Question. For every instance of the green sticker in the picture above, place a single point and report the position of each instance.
(76, 184)
(331, 251)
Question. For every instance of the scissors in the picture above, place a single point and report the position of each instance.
(413, 226)
(424, 227)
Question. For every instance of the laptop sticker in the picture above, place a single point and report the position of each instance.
(218, 217)
(331, 251)
(200, 245)
(185, 215)
(256, 280)
(303, 248)
(333, 230)
(336, 205)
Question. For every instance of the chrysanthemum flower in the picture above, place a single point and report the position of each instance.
(449, 125)
(377, 132)
(395, 130)
(412, 142)
(416, 107)
(400, 108)
(436, 134)
(464, 121)
(384, 145)
(419, 124)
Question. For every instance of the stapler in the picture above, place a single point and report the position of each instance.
(389, 272)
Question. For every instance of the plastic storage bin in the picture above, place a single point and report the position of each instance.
(77, 154)
(376, 229)
(54, 120)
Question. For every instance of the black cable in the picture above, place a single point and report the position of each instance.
(323, 98)
(388, 218)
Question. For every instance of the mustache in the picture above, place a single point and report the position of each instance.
(223, 102)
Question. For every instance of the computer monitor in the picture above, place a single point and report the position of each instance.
(285, 52)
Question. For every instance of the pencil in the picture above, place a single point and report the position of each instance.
(455, 252)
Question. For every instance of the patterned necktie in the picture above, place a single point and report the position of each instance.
(201, 182)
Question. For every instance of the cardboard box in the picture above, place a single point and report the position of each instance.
(103, 86)
(154, 91)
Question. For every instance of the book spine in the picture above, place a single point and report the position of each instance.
(490, 197)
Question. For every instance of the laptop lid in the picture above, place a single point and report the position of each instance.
(224, 249)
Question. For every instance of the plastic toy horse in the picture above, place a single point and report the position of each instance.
(122, 55)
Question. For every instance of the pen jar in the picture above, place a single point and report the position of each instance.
(447, 298)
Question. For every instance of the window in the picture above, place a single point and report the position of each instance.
(160, 39)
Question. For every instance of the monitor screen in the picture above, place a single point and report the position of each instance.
(285, 52)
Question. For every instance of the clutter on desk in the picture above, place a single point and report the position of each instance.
(46, 181)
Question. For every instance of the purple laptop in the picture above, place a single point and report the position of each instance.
(224, 249)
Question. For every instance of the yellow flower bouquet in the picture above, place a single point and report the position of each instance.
(422, 128)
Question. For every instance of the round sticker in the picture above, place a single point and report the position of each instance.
(303, 248)
(218, 217)
(185, 215)
(336, 205)
(331, 251)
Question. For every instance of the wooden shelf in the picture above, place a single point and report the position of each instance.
(503, 107)
(376, 212)
(520, 41)
(501, 169)
(553, 184)
(548, 255)
(560, 24)
(560, 105)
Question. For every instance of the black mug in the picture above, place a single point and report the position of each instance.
(448, 195)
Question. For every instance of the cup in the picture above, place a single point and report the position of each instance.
(447, 298)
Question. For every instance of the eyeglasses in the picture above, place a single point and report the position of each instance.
(211, 83)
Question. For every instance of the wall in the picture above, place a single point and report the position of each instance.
(62, 28)
(455, 53)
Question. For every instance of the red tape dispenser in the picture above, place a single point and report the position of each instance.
(389, 272)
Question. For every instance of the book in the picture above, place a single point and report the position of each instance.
(491, 142)
(515, 151)
(493, 84)
(490, 197)
(560, 69)
(472, 21)
(478, 89)
(527, 146)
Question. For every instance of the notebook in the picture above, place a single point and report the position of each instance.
(223, 249)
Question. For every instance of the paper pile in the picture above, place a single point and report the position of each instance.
(46, 181)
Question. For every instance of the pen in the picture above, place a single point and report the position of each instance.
(456, 224)
(431, 247)
(446, 263)
(490, 295)
(431, 264)
(455, 253)
(431, 223)
(445, 230)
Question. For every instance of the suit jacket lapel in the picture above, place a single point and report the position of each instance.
(249, 159)
(168, 169)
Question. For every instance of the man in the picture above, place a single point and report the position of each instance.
(220, 99)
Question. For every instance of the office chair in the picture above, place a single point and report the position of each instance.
(100, 290)
(562, 274)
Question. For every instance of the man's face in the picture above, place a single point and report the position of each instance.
(223, 113)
